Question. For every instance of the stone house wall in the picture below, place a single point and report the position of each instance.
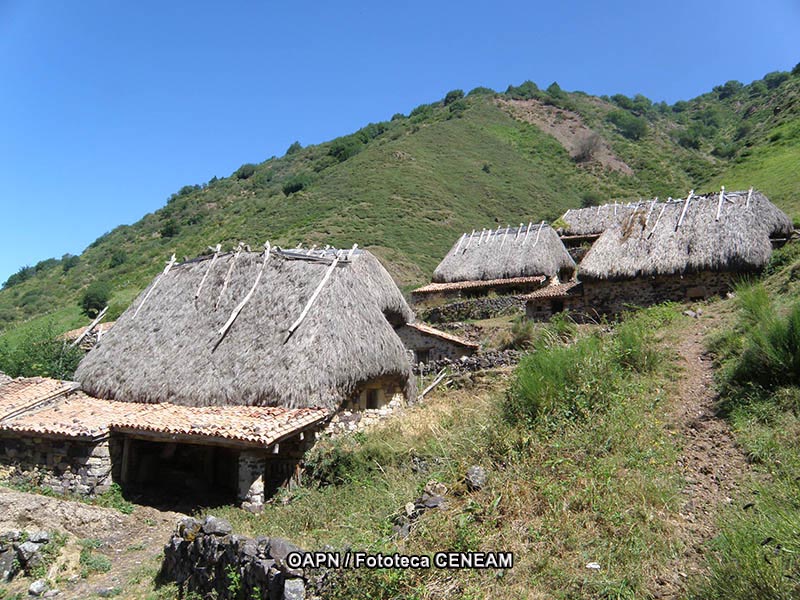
(426, 347)
(609, 298)
(64, 465)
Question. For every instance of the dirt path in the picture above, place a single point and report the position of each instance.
(711, 462)
(131, 542)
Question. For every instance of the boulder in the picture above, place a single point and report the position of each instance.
(27, 552)
(294, 589)
(9, 565)
(475, 478)
(215, 526)
(38, 587)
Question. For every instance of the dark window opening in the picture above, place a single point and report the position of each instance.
(373, 398)
(423, 355)
(556, 306)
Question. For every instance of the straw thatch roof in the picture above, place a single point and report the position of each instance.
(594, 220)
(655, 241)
(171, 351)
(503, 253)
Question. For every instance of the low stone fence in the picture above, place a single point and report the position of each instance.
(474, 308)
(207, 558)
(469, 364)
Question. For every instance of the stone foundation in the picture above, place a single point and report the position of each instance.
(610, 298)
(65, 466)
(349, 421)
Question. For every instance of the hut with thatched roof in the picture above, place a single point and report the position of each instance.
(685, 249)
(221, 373)
(507, 260)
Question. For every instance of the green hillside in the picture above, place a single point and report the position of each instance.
(406, 188)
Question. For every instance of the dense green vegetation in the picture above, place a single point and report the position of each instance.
(756, 554)
(404, 188)
(565, 487)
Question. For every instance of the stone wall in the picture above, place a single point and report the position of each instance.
(474, 308)
(427, 347)
(208, 559)
(610, 298)
(614, 297)
(468, 364)
(64, 465)
(348, 421)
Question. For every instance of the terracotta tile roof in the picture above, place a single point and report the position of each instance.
(19, 394)
(428, 330)
(555, 291)
(80, 415)
(432, 288)
(74, 334)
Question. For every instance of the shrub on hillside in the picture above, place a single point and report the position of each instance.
(452, 96)
(526, 91)
(246, 171)
(775, 78)
(118, 257)
(69, 261)
(345, 148)
(294, 148)
(23, 274)
(169, 229)
(481, 91)
(95, 298)
(295, 184)
(39, 352)
(629, 126)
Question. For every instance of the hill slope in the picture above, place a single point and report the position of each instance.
(405, 188)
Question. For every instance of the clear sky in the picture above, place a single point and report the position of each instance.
(109, 107)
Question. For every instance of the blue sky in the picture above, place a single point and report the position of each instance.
(109, 107)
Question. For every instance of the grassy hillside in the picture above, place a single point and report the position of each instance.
(407, 187)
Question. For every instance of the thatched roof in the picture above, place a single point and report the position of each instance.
(171, 351)
(594, 220)
(658, 242)
(503, 253)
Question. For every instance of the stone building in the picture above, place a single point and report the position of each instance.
(679, 250)
(218, 377)
(428, 344)
(507, 261)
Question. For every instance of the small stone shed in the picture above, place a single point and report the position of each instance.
(553, 299)
(56, 435)
(505, 260)
(428, 344)
(685, 249)
(222, 371)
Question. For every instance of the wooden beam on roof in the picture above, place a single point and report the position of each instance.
(685, 208)
(228, 274)
(210, 266)
(155, 283)
(247, 297)
(721, 200)
(91, 326)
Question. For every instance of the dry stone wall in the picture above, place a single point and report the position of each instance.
(65, 466)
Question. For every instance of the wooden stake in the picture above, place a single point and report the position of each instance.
(91, 326)
(155, 283)
(505, 235)
(460, 241)
(311, 300)
(528, 232)
(480, 240)
(249, 295)
(538, 233)
(663, 208)
(439, 378)
(685, 208)
(649, 212)
(469, 241)
(721, 200)
(228, 274)
(210, 266)
(749, 195)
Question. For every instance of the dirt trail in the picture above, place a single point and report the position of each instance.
(711, 462)
(131, 542)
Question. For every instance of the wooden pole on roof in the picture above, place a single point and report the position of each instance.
(91, 326)
(208, 270)
(505, 235)
(721, 200)
(480, 240)
(528, 232)
(496, 234)
(313, 298)
(469, 240)
(460, 241)
(660, 214)
(155, 283)
(649, 212)
(749, 195)
(350, 252)
(228, 274)
(246, 299)
(685, 208)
